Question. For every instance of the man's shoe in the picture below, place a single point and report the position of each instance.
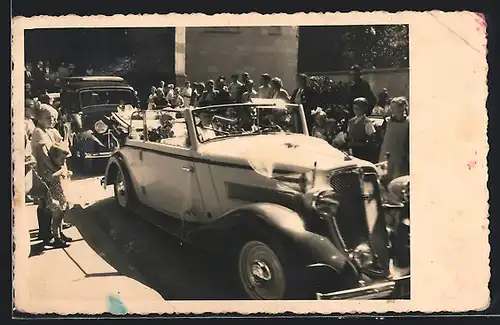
(59, 243)
(66, 225)
(66, 239)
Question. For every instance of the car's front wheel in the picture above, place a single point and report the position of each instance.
(266, 272)
(121, 188)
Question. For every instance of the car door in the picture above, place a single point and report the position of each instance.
(171, 185)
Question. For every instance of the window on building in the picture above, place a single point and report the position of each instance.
(227, 30)
(274, 30)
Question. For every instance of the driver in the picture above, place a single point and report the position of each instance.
(205, 128)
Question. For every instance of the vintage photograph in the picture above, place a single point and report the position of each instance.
(215, 163)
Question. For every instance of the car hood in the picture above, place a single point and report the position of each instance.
(295, 153)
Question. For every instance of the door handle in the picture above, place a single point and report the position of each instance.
(140, 155)
(188, 169)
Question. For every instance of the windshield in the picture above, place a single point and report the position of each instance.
(107, 96)
(238, 120)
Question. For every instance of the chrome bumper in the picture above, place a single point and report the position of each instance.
(390, 289)
(98, 155)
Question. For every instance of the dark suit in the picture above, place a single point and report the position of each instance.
(222, 97)
(309, 101)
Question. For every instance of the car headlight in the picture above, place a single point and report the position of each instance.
(100, 127)
(362, 255)
(325, 203)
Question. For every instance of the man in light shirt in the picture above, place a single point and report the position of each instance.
(265, 86)
(186, 93)
(234, 88)
(169, 94)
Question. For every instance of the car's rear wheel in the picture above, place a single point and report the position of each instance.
(121, 188)
(261, 272)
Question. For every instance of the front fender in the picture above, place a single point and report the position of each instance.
(112, 168)
(283, 223)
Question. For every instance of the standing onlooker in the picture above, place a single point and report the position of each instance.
(177, 100)
(277, 91)
(160, 101)
(360, 88)
(44, 137)
(223, 96)
(265, 86)
(396, 141)
(250, 93)
(235, 88)
(186, 93)
(169, 92)
(71, 70)
(38, 79)
(383, 104)
(151, 98)
(209, 95)
(28, 73)
(304, 96)
(361, 132)
(63, 71)
(200, 89)
(245, 77)
(28, 94)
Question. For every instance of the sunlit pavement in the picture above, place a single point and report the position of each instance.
(115, 253)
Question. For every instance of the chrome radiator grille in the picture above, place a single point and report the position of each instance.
(359, 216)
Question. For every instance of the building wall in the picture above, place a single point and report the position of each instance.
(219, 51)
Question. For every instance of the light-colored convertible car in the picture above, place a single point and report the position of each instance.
(296, 217)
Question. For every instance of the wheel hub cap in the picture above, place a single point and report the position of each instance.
(260, 272)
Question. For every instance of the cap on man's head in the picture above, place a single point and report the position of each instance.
(245, 74)
(361, 102)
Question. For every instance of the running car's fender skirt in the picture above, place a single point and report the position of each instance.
(283, 224)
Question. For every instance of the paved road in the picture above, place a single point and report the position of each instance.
(140, 250)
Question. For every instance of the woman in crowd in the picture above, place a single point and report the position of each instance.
(160, 100)
(395, 146)
(319, 130)
(176, 100)
(45, 136)
(382, 107)
(277, 91)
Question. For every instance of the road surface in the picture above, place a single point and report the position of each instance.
(118, 251)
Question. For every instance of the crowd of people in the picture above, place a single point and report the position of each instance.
(46, 149)
(43, 77)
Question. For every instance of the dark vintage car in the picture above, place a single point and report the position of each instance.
(296, 217)
(95, 110)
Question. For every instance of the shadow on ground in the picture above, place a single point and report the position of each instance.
(139, 250)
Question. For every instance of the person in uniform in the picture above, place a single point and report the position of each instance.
(361, 132)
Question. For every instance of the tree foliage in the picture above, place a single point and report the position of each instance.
(333, 48)
(382, 46)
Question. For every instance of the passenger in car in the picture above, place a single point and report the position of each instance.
(205, 128)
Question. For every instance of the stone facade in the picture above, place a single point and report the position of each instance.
(222, 51)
